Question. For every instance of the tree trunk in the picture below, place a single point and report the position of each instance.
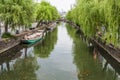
(25, 52)
(8, 65)
(38, 24)
(118, 33)
(6, 27)
(0, 29)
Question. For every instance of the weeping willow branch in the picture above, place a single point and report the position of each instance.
(96, 14)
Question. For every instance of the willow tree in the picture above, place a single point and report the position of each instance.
(111, 13)
(92, 15)
(16, 13)
(46, 12)
(85, 62)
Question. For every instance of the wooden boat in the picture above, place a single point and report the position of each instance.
(31, 40)
(35, 37)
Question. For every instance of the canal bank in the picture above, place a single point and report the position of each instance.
(58, 57)
(6, 44)
(96, 41)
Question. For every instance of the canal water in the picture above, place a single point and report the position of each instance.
(62, 55)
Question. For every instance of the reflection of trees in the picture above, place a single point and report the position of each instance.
(23, 69)
(43, 49)
(87, 67)
(26, 68)
(9, 55)
(71, 31)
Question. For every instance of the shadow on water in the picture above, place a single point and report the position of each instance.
(20, 63)
(109, 60)
(18, 66)
(44, 49)
(90, 64)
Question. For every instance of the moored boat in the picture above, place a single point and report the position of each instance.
(35, 37)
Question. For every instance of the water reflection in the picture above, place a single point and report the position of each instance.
(25, 68)
(58, 57)
(97, 57)
(8, 56)
(59, 64)
(109, 62)
(90, 65)
(20, 63)
(44, 49)
(18, 66)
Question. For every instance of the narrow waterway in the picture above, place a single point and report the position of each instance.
(62, 55)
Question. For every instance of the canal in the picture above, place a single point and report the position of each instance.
(62, 55)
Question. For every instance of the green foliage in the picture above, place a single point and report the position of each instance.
(16, 13)
(45, 11)
(88, 67)
(93, 14)
(8, 35)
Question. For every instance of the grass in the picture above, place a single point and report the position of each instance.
(8, 35)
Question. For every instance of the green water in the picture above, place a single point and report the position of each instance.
(62, 55)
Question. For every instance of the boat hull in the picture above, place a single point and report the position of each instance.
(31, 41)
